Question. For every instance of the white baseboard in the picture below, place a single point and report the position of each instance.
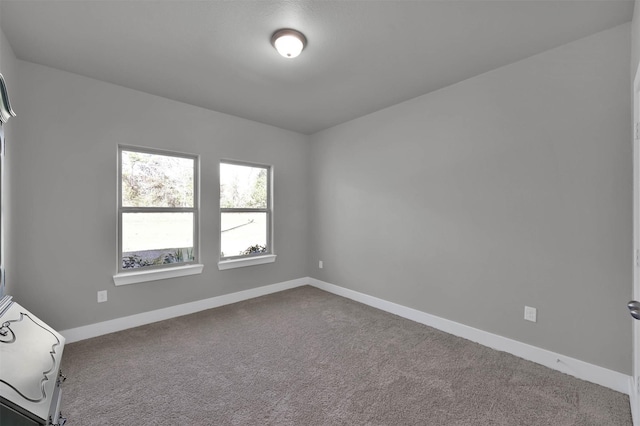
(634, 401)
(118, 324)
(574, 367)
(580, 369)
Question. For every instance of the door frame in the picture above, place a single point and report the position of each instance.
(634, 386)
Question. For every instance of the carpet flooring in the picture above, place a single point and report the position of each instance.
(307, 357)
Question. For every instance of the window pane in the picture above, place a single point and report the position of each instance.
(243, 186)
(243, 233)
(156, 238)
(153, 180)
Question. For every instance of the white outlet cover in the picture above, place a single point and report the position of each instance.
(530, 314)
(102, 296)
(320, 264)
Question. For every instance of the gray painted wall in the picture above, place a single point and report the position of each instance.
(8, 69)
(511, 188)
(635, 39)
(65, 169)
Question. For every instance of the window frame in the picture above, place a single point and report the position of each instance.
(228, 262)
(147, 273)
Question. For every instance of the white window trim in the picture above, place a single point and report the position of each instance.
(251, 259)
(246, 261)
(125, 278)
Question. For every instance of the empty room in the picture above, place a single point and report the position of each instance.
(409, 212)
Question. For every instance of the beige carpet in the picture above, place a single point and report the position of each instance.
(307, 357)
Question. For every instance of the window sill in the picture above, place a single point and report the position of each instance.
(125, 278)
(248, 261)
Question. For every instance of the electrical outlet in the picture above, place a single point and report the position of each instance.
(102, 296)
(530, 314)
(320, 265)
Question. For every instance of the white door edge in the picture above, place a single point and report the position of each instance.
(635, 383)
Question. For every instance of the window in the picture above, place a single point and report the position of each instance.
(157, 209)
(245, 214)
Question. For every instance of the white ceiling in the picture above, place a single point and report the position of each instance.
(362, 56)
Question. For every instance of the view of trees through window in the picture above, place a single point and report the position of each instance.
(157, 210)
(152, 180)
(244, 209)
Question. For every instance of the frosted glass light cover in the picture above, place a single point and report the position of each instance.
(289, 46)
(289, 43)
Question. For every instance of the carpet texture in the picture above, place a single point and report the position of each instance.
(307, 357)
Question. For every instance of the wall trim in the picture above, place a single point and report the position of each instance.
(119, 324)
(125, 278)
(574, 367)
(634, 401)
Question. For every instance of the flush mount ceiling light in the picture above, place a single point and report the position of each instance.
(289, 43)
